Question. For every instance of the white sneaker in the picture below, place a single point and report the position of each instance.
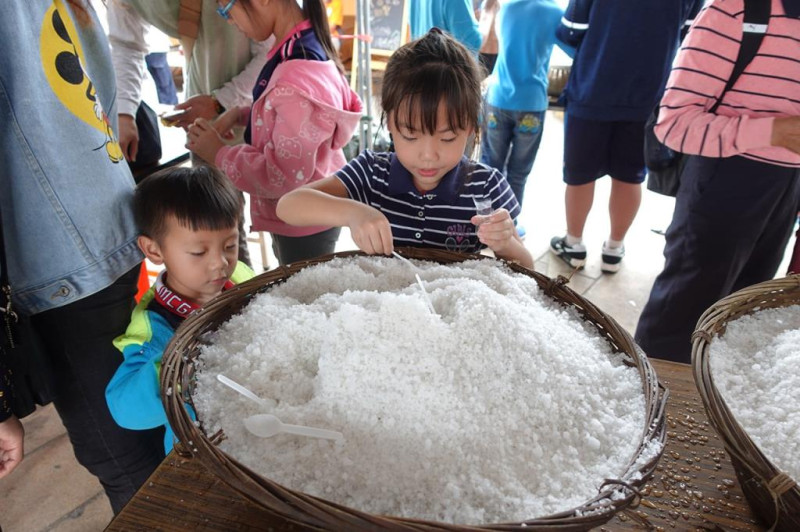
(612, 258)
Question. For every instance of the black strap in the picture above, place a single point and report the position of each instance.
(754, 28)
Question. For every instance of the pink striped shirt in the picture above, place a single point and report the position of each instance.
(769, 87)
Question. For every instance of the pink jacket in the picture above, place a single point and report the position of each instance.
(767, 88)
(299, 125)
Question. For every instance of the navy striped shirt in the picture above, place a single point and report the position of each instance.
(439, 218)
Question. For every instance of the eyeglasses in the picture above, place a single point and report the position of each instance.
(224, 12)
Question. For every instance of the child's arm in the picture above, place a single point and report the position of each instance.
(497, 231)
(326, 202)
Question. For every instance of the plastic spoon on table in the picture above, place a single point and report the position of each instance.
(269, 403)
(425, 295)
(267, 425)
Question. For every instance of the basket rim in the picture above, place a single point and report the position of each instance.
(313, 511)
(782, 490)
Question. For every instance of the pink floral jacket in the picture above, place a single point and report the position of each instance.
(299, 125)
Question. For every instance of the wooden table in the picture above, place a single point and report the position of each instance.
(694, 487)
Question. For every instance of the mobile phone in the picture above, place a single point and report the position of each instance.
(169, 119)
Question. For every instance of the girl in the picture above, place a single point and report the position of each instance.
(425, 194)
(303, 113)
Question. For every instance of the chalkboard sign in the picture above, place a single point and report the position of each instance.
(388, 25)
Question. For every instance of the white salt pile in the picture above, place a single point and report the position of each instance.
(756, 369)
(503, 407)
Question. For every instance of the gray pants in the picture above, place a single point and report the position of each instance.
(289, 249)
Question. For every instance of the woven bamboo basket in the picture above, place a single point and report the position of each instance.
(772, 494)
(312, 512)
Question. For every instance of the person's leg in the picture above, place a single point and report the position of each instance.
(291, 249)
(578, 201)
(780, 213)
(719, 217)
(623, 204)
(527, 136)
(162, 76)
(496, 133)
(586, 159)
(78, 338)
(627, 170)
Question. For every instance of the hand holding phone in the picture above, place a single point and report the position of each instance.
(171, 118)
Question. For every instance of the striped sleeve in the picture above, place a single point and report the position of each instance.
(574, 23)
(503, 197)
(769, 87)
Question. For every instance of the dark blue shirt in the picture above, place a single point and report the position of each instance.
(300, 45)
(438, 218)
(624, 54)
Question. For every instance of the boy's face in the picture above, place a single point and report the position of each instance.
(198, 263)
(428, 157)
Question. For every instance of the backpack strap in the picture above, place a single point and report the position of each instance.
(754, 28)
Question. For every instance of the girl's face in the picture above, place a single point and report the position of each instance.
(254, 20)
(427, 156)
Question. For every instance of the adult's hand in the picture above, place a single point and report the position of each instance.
(128, 137)
(200, 106)
(11, 437)
(786, 133)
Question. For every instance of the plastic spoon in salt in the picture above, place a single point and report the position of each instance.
(269, 403)
(425, 295)
(267, 425)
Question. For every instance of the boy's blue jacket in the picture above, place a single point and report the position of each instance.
(134, 393)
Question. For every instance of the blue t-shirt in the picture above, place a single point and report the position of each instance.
(526, 32)
(438, 218)
(456, 17)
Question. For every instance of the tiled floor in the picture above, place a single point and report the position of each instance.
(50, 491)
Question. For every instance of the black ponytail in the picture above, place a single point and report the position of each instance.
(315, 11)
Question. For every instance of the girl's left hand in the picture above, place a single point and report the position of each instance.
(497, 230)
(203, 140)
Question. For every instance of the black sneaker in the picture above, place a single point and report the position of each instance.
(612, 258)
(575, 255)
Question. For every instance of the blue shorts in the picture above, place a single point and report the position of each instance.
(593, 149)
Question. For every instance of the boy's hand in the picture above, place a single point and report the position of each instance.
(496, 230)
(203, 140)
(370, 230)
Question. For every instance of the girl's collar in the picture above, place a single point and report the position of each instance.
(301, 26)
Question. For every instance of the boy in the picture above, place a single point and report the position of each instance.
(188, 219)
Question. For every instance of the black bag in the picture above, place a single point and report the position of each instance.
(23, 352)
(664, 165)
(149, 152)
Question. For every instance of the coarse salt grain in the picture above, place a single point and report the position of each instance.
(756, 369)
(504, 407)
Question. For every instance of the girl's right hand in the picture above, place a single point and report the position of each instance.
(225, 123)
(370, 230)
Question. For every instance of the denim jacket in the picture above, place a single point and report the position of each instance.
(65, 189)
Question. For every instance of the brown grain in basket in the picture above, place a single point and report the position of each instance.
(774, 497)
(314, 512)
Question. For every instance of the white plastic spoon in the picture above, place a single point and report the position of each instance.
(267, 425)
(425, 295)
(269, 403)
